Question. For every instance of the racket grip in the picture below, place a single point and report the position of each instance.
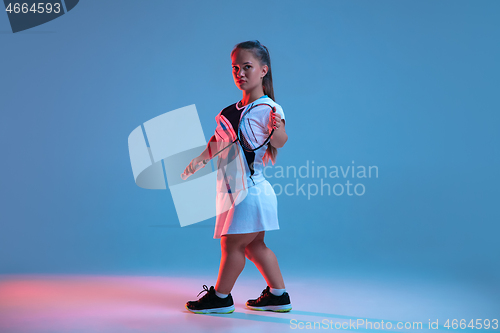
(198, 166)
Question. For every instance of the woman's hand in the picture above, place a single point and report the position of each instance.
(279, 137)
(191, 168)
(274, 120)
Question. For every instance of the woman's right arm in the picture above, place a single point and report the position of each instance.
(206, 154)
(210, 149)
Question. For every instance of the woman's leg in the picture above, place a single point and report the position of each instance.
(266, 261)
(232, 260)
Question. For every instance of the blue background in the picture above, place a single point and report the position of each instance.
(408, 86)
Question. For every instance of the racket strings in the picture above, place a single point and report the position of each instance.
(246, 144)
(252, 131)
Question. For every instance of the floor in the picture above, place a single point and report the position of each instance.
(99, 303)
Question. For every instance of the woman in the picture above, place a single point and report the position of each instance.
(246, 201)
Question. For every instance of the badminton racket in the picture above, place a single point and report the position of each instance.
(251, 134)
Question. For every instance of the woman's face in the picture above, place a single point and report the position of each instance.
(247, 71)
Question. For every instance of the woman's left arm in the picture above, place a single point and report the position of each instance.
(279, 137)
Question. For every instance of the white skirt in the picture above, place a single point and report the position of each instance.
(251, 210)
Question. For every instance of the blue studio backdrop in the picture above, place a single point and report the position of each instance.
(407, 90)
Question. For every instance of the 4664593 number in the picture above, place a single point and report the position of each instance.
(38, 8)
(477, 324)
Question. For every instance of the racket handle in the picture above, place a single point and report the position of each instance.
(198, 166)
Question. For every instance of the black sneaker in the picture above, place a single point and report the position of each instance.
(211, 303)
(268, 301)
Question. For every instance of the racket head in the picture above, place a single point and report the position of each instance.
(255, 129)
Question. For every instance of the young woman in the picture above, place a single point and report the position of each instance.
(246, 201)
